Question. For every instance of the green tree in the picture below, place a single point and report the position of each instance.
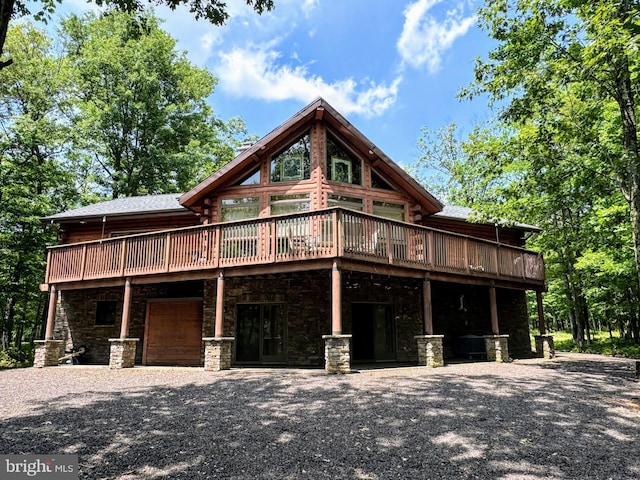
(141, 115)
(587, 49)
(33, 178)
(215, 11)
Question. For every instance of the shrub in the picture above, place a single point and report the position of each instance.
(17, 357)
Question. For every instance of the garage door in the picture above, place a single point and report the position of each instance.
(173, 333)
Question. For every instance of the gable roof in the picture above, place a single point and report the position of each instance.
(319, 109)
(124, 206)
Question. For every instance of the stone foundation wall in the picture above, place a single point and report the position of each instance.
(404, 294)
(454, 316)
(76, 315)
(308, 305)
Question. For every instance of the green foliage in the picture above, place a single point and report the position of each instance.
(215, 11)
(143, 123)
(17, 357)
(564, 153)
(601, 344)
(113, 111)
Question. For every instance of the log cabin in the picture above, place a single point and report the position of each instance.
(310, 248)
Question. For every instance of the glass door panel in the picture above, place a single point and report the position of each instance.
(273, 333)
(261, 333)
(248, 333)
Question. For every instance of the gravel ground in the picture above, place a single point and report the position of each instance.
(573, 417)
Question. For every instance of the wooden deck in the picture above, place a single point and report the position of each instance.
(334, 233)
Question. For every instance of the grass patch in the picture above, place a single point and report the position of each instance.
(601, 344)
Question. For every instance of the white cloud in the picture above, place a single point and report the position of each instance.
(254, 72)
(424, 38)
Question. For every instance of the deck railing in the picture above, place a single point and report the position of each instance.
(334, 232)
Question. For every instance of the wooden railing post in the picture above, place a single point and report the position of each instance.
(167, 251)
(123, 257)
(83, 263)
(389, 244)
(467, 263)
(338, 232)
(47, 273)
(216, 246)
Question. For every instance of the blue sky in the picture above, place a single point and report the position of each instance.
(389, 66)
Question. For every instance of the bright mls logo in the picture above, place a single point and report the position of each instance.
(50, 467)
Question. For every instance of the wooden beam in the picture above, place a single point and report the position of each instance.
(219, 328)
(51, 314)
(427, 307)
(336, 300)
(126, 309)
(319, 113)
(493, 305)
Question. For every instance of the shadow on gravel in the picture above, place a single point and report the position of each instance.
(534, 425)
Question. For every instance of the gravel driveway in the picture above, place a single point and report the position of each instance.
(574, 417)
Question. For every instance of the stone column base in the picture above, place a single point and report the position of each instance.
(497, 348)
(544, 346)
(337, 353)
(217, 353)
(430, 350)
(122, 353)
(47, 353)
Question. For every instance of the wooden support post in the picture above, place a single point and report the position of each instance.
(493, 305)
(126, 310)
(336, 300)
(219, 329)
(541, 323)
(427, 309)
(51, 313)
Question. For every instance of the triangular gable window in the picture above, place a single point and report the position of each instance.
(294, 163)
(341, 165)
(378, 182)
(253, 178)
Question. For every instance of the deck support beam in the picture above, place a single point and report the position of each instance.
(51, 313)
(48, 350)
(426, 307)
(122, 351)
(219, 327)
(337, 347)
(493, 306)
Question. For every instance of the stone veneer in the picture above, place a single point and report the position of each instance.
(218, 352)
(453, 317)
(497, 348)
(430, 353)
(544, 346)
(122, 352)
(337, 353)
(76, 313)
(47, 353)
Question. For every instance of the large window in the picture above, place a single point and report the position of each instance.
(294, 163)
(281, 204)
(342, 166)
(394, 211)
(347, 202)
(239, 208)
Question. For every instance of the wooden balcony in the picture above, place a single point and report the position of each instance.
(295, 240)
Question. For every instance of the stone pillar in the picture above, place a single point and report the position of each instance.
(217, 353)
(430, 353)
(544, 346)
(497, 348)
(122, 352)
(47, 353)
(337, 353)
